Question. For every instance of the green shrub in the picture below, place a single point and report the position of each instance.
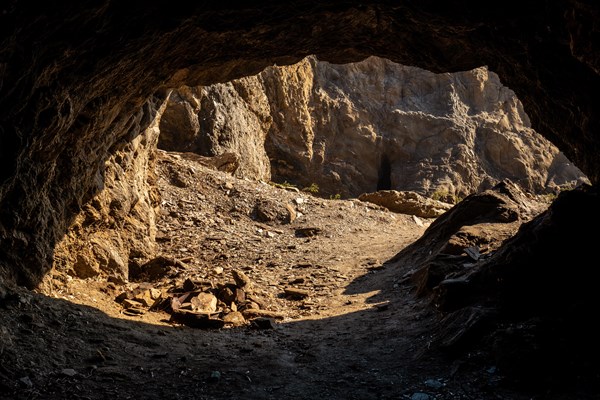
(313, 188)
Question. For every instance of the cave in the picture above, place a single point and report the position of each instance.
(81, 85)
(385, 174)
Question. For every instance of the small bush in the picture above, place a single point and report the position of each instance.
(336, 196)
(313, 188)
(442, 195)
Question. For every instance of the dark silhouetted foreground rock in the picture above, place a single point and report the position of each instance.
(527, 299)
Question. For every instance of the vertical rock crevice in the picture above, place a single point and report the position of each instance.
(384, 179)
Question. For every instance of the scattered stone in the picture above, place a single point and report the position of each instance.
(296, 293)
(382, 307)
(234, 318)
(406, 202)
(204, 302)
(145, 298)
(68, 372)
(250, 312)
(218, 270)
(473, 252)
(263, 323)
(195, 320)
(420, 396)
(215, 376)
(307, 232)
(155, 294)
(228, 186)
(418, 221)
(299, 200)
(227, 295)
(241, 279)
(133, 312)
(268, 228)
(128, 304)
(189, 285)
(434, 384)
(291, 213)
(26, 382)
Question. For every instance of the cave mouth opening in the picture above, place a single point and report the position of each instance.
(346, 121)
(384, 180)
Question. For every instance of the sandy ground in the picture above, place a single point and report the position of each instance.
(358, 332)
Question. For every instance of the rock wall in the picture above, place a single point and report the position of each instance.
(119, 223)
(236, 114)
(367, 126)
(74, 77)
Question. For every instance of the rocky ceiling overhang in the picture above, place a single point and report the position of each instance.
(75, 78)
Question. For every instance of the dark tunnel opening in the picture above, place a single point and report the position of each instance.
(384, 181)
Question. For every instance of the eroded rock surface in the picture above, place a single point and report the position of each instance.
(75, 76)
(407, 203)
(367, 126)
(118, 224)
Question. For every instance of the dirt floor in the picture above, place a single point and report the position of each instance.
(321, 314)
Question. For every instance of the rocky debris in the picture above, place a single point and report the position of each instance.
(308, 231)
(263, 323)
(206, 304)
(296, 293)
(410, 203)
(226, 162)
(155, 269)
(221, 227)
(470, 232)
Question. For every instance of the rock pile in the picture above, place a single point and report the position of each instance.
(201, 303)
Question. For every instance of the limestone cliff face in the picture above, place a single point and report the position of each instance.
(236, 114)
(375, 124)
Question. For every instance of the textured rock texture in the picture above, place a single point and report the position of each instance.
(407, 203)
(375, 124)
(118, 224)
(236, 114)
(525, 289)
(75, 75)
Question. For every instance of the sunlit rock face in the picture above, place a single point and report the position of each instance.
(118, 224)
(75, 78)
(367, 126)
(220, 118)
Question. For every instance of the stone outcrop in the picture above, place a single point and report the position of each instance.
(118, 224)
(407, 203)
(236, 114)
(509, 282)
(371, 125)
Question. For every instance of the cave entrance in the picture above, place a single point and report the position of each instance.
(384, 178)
